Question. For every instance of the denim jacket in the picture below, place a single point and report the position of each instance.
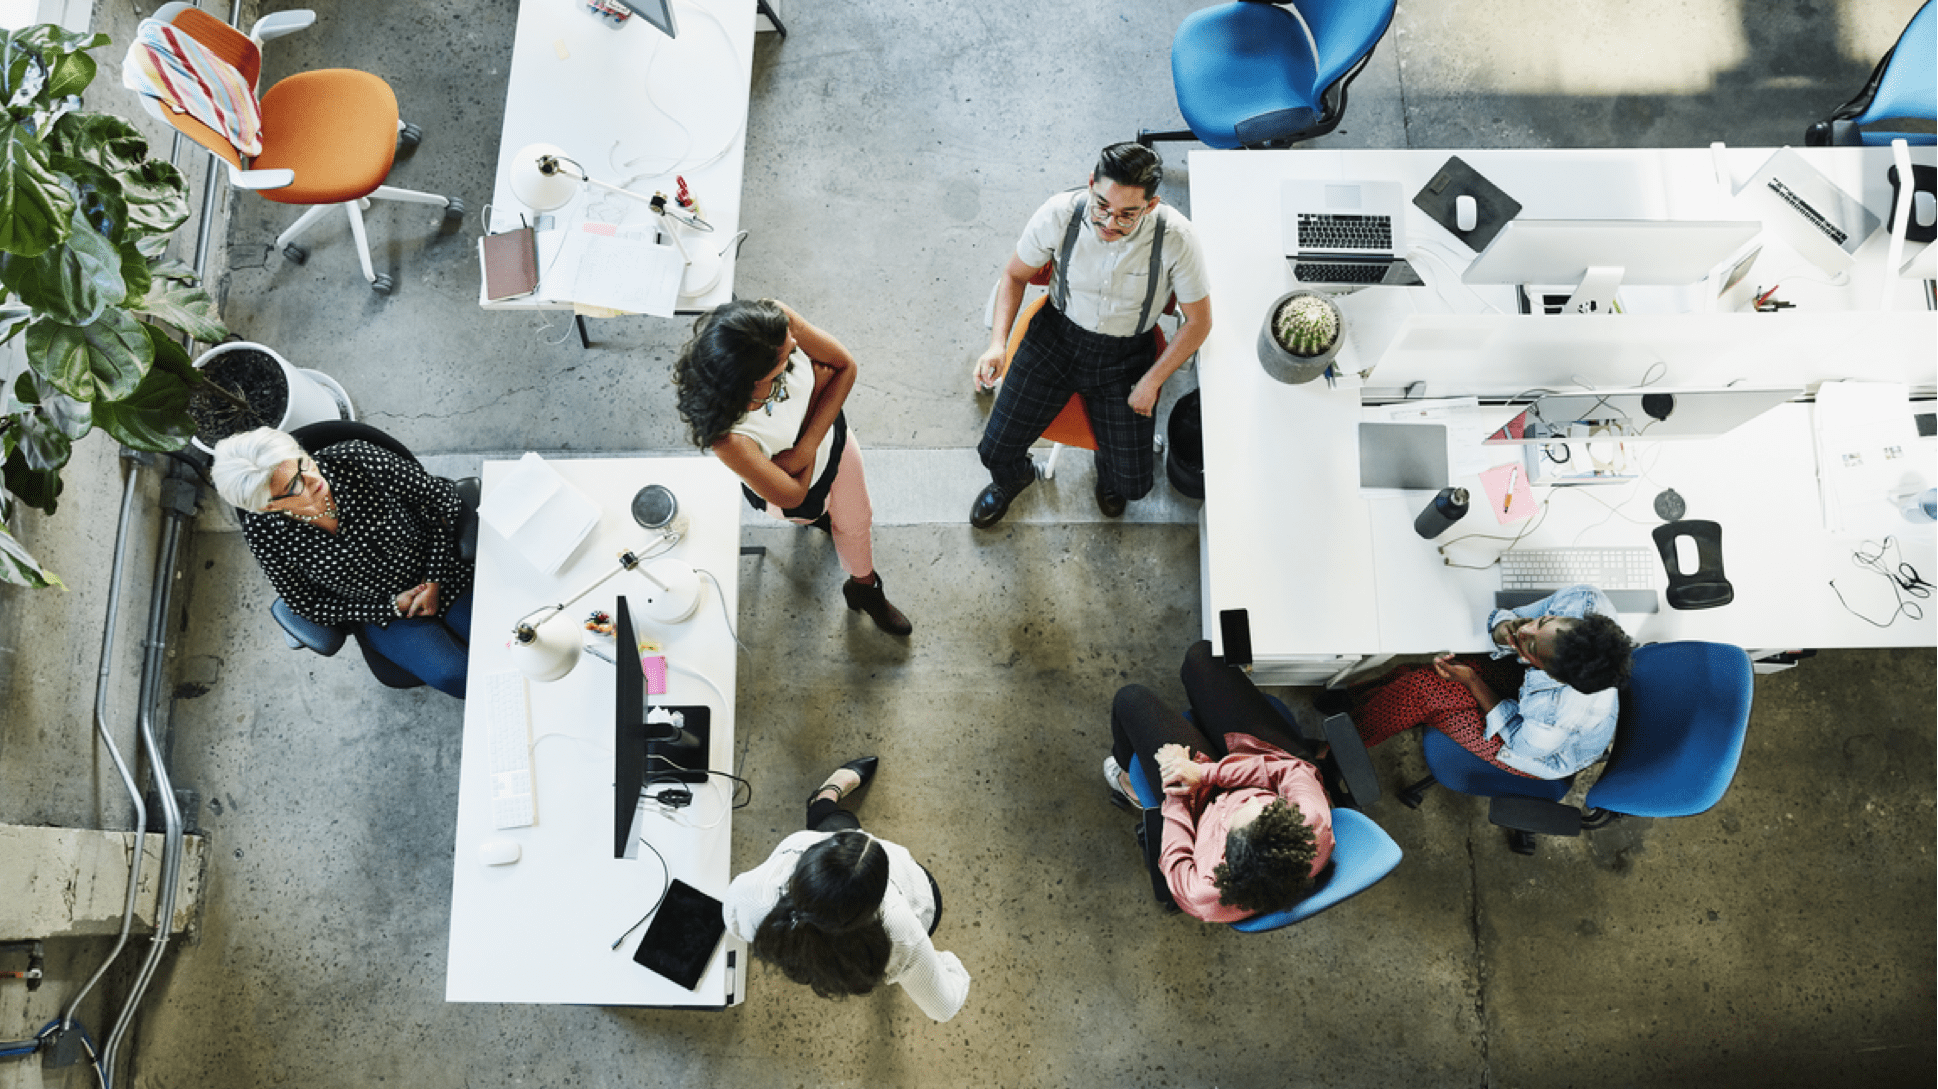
(1551, 730)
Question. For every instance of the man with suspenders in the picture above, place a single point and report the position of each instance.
(1119, 256)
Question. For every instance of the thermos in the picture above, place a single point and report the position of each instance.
(1448, 507)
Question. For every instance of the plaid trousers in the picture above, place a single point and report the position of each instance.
(1058, 358)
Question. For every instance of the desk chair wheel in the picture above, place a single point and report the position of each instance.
(1412, 796)
(410, 135)
(295, 254)
(454, 209)
(1521, 843)
(382, 283)
(1598, 818)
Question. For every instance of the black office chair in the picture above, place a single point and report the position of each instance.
(325, 639)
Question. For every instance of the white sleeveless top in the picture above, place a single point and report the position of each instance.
(777, 432)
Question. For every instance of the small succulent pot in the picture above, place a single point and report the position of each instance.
(1301, 335)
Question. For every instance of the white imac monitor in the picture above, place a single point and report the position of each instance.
(1596, 256)
(657, 12)
(1629, 414)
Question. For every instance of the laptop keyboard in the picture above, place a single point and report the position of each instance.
(1329, 272)
(1318, 231)
(1816, 219)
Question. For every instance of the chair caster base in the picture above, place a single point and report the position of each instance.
(410, 135)
(1412, 796)
(1598, 818)
(454, 209)
(295, 254)
(1521, 843)
(382, 284)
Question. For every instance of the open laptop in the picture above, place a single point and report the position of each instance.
(1808, 210)
(1343, 233)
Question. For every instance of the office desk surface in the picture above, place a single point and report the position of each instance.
(540, 930)
(634, 108)
(1328, 575)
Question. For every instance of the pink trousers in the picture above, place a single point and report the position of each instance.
(849, 512)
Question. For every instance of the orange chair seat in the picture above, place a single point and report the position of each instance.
(336, 128)
(1072, 425)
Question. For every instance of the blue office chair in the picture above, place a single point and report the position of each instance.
(299, 632)
(1678, 742)
(1899, 101)
(1267, 75)
(1362, 852)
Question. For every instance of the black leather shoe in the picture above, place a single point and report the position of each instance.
(990, 507)
(863, 767)
(1109, 502)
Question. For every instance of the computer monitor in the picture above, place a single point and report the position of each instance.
(657, 12)
(674, 753)
(1630, 414)
(1595, 256)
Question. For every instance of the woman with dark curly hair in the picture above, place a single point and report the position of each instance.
(1563, 657)
(843, 912)
(777, 423)
(1247, 825)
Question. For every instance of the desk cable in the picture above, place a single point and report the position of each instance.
(1428, 249)
(1539, 517)
(665, 882)
(646, 84)
(720, 594)
(1907, 585)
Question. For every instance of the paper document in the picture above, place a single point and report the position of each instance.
(539, 513)
(1867, 448)
(618, 268)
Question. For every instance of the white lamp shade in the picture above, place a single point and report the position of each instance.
(534, 189)
(554, 651)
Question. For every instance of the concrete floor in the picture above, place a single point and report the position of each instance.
(894, 150)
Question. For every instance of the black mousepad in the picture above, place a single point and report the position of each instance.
(683, 935)
(1492, 207)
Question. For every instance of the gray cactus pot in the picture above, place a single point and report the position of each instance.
(1288, 366)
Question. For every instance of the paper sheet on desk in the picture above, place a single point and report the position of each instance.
(1866, 448)
(539, 513)
(622, 269)
(1501, 481)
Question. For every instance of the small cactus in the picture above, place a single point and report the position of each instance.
(1306, 325)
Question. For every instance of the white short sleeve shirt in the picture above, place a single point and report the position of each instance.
(1108, 280)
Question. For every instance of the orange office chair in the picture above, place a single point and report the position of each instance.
(328, 136)
(1071, 426)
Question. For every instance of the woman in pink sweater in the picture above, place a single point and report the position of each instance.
(1247, 825)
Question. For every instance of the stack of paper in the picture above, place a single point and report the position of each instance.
(539, 513)
(1867, 449)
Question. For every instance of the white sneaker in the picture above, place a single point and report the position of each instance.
(1114, 777)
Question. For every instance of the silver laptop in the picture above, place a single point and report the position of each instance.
(1342, 233)
(1808, 210)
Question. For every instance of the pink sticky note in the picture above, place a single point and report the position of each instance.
(654, 666)
(1508, 493)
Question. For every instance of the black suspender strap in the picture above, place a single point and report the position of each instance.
(1059, 277)
(1157, 266)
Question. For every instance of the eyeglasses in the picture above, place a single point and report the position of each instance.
(296, 484)
(1102, 213)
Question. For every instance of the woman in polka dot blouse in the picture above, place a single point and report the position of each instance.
(356, 535)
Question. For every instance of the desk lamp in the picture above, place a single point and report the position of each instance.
(543, 178)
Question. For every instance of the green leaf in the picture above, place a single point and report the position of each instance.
(104, 360)
(135, 274)
(187, 308)
(170, 358)
(96, 192)
(38, 488)
(35, 209)
(155, 417)
(41, 443)
(155, 192)
(19, 568)
(72, 74)
(72, 284)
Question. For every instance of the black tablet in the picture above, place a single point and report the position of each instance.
(683, 935)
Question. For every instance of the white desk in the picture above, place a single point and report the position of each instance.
(1330, 577)
(539, 930)
(634, 108)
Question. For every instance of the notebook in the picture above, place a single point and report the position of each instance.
(1801, 206)
(1343, 233)
(510, 264)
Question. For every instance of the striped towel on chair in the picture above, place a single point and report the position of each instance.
(178, 71)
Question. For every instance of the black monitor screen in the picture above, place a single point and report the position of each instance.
(628, 729)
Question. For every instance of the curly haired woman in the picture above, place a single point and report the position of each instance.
(778, 424)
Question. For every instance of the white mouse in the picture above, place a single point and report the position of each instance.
(1922, 208)
(1466, 212)
(498, 852)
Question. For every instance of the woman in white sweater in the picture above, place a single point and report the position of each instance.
(842, 911)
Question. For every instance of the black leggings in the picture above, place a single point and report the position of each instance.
(1223, 700)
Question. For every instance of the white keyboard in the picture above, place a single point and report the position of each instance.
(1606, 569)
(508, 724)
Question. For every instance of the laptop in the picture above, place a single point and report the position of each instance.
(1345, 233)
(1801, 206)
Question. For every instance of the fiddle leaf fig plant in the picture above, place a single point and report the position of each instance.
(85, 218)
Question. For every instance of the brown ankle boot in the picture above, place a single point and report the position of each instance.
(868, 597)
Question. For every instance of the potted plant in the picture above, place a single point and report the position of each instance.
(1301, 335)
(247, 385)
(84, 228)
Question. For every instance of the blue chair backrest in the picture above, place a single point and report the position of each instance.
(1458, 769)
(1684, 714)
(1910, 85)
(1345, 31)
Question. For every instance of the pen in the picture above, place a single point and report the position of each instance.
(1513, 478)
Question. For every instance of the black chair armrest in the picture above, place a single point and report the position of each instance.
(1535, 815)
(469, 492)
(300, 632)
(1355, 764)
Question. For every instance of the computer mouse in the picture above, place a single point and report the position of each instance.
(1923, 207)
(1466, 212)
(498, 852)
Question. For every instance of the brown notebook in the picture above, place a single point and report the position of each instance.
(510, 264)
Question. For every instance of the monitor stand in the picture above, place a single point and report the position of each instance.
(1596, 292)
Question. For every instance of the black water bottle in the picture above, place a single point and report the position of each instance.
(1448, 507)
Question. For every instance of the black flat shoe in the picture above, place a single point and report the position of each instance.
(1109, 502)
(990, 507)
(864, 767)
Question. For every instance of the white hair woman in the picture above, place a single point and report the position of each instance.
(357, 535)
